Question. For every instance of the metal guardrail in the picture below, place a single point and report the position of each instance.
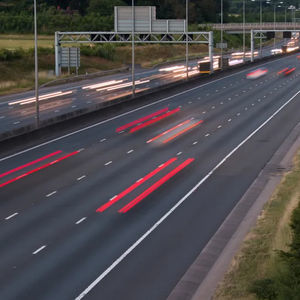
(249, 26)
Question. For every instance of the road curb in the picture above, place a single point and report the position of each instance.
(203, 276)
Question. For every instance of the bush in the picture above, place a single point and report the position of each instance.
(8, 55)
(264, 289)
(106, 51)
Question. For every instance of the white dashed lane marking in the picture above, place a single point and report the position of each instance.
(81, 177)
(51, 194)
(129, 151)
(108, 163)
(11, 216)
(39, 250)
(81, 220)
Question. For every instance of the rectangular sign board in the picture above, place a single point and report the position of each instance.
(221, 45)
(70, 57)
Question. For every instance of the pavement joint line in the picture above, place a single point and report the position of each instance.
(178, 204)
(129, 151)
(11, 216)
(81, 177)
(81, 220)
(51, 194)
(108, 163)
(102, 140)
(134, 110)
(39, 249)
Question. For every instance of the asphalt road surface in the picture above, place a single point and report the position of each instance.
(19, 110)
(121, 208)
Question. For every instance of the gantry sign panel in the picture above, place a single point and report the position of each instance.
(135, 25)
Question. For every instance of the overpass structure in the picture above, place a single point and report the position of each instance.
(238, 27)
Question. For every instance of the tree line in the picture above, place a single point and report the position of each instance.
(96, 15)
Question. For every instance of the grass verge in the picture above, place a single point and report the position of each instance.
(259, 258)
(17, 74)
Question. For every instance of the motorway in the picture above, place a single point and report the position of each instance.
(121, 208)
(17, 111)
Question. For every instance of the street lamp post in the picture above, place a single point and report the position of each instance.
(260, 21)
(244, 33)
(36, 70)
(221, 34)
(132, 46)
(187, 38)
(274, 24)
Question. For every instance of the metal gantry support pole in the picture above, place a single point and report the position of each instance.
(252, 45)
(36, 70)
(187, 38)
(133, 58)
(57, 56)
(211, 50)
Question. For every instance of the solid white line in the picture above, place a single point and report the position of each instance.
(131, 111)
(81, 177)
(11, 216)
(49, 195)
(167, 214)
(81, 220)
(38, 250)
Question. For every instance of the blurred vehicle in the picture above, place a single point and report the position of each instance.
(257, 73)
(286, 71)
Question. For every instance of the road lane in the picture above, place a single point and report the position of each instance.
(77, 253)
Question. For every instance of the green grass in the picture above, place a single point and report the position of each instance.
(257, 258)
(13, 41)
(17, 75)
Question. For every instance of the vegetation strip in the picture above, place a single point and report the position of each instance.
(268, 263)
